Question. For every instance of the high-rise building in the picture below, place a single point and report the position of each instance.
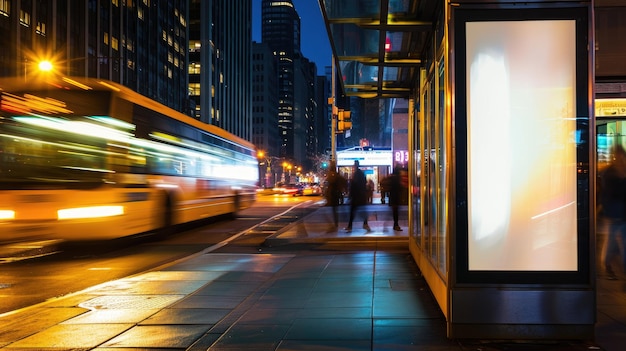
(265, 100)
(280, 30)
(323, 118)
(138, 44)
(220, 63)
(304, 112)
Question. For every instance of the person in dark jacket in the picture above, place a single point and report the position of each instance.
(394, 184)
(358, 196)
(334, 191)
(613, 201)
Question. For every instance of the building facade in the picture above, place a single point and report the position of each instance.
(220, 64)
(280, 29)
(129, 42)
(304, 112)
(265, 100)
(324, 114)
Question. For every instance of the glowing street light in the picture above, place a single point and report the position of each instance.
(45, 66)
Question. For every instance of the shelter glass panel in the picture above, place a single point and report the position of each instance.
(350, 9)
(442, 164)
(432, 171)
(352, 40)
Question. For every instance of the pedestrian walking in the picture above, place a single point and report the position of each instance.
(336, 186)
(613, 201)
(384, 189)
(358, 196)
(370, 191)
(394, 184)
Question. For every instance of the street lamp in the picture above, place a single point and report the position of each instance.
(261, 156)
(34, 67)
(286, 165)
(45, 66)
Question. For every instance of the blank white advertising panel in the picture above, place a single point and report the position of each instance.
(521, 93)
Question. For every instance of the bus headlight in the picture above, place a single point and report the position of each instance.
(7, 214)
(90, 212)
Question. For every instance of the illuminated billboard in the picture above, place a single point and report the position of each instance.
(521, 89)
(522, 116)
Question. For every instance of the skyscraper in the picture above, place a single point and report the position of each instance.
(280, 30)
(220, 63)
(265, 100)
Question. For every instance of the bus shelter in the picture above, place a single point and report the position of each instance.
(501, 106)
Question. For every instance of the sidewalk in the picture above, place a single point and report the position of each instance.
(317, 295)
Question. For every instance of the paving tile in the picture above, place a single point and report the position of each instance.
(228, 288)
(340, 299)
(17, 328)
(147, 287)
(283, 283)
(244, 277)
(348, 273)
(176, 275)
(410, 322)
(325, 345)
(251, 337)
(204, 301)
(179, 336)
(336, 312)
(75, 336)
(112, 316)
(117, 302)
(201, 344)
(267, 263)
(280, 302)
(403, 304)
(269, 316)
(182, 316)
(284, 293)
(357, 257)
(330, 329)
(348, 284)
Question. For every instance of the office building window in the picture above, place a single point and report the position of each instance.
(24, 18)
(5, 8)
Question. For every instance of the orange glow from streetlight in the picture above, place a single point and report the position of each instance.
(45, 66)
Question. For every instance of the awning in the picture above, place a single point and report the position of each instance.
(379, 45)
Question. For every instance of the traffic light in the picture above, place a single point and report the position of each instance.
(345, 121)
(324, 165)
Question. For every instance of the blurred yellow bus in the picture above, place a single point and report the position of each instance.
(85, 159)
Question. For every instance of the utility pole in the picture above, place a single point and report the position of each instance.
(333, 123)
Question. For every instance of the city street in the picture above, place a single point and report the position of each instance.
(80, 265)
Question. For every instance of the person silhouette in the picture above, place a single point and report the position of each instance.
(613, 201)
(395, 190)
(358, 196)
(334, 192)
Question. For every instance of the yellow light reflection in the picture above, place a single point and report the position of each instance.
(90, 212)
(109, 86)
(7, 214)
(77, 84)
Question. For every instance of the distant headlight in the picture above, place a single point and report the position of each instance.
(7, 214)
(90, 212)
